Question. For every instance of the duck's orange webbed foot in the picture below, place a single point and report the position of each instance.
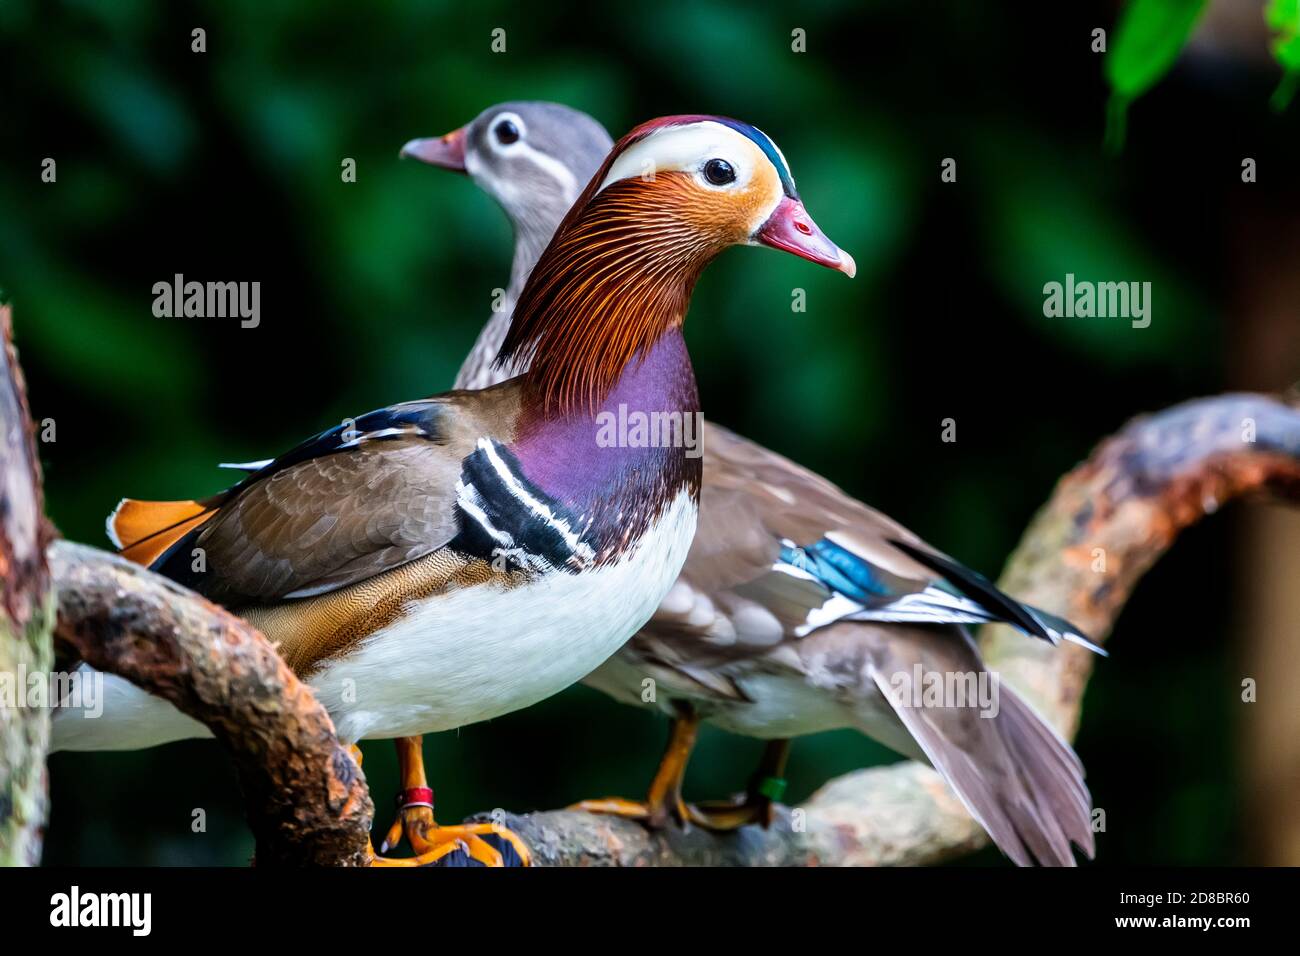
(431, 842)
(655, 815)
(438, 841)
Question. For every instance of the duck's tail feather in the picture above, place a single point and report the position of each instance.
(1010, 769)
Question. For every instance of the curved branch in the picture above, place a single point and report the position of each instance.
(305, 797)
(1107, 522)
(25, 618)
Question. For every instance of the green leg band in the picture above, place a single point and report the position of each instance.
(772, 787)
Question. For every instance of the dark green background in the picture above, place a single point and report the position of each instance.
(225, 165)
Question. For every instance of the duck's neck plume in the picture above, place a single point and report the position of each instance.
(617, 275)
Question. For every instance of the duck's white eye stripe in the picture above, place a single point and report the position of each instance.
(560, 173)
(685, 148)
(506, 186)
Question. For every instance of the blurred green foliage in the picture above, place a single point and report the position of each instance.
(226, 165)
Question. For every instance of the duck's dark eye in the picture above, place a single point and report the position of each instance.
(507, 132)
(719, 172)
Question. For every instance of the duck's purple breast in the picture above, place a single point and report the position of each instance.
(620, 464)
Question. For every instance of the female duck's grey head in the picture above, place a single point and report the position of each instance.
(534, 158)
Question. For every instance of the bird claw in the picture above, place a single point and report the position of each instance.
(654, 814)
(437, 842)
(413, 822)
(720, 816)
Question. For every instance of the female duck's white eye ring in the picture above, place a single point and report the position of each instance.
(719, 172)
(507, 129)
(506, 132)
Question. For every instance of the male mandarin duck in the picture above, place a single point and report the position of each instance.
(445, 561)
(798, 606)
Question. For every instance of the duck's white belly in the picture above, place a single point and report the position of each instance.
(481, 652)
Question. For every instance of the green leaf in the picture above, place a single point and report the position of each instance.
(1283, 18)
(1148, 39)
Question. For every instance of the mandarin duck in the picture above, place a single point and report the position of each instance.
(440, 562)
(799, 609)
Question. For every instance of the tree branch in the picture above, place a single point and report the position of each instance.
(305, 797)
(25, 618)
(1107, 522)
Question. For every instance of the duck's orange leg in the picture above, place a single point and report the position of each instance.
(664, 801)
(414, 800)
(415, 819)
(766, 788)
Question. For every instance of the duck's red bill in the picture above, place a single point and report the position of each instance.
(792, 230)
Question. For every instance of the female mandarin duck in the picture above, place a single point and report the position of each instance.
(441, 562)
(798, 608)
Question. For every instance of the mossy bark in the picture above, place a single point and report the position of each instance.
(26, 621)
(24, 738)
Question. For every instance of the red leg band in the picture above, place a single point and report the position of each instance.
(415, 797)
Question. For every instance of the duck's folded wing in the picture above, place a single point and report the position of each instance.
(780, 552)
(350, 503)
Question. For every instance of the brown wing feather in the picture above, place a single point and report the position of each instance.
(789, 501)
(329, 521)
(343, 517)
(728, 603)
